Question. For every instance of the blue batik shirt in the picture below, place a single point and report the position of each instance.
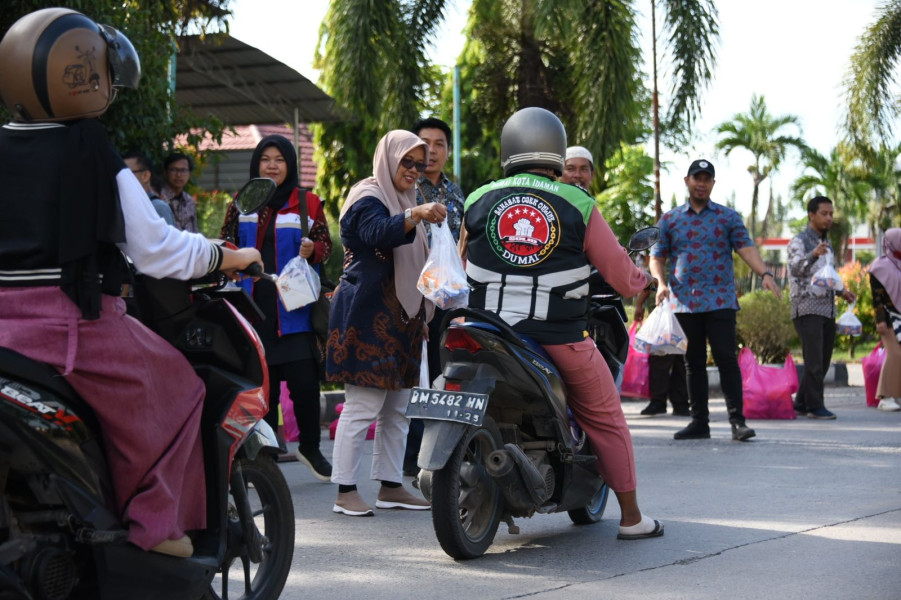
(447, 193)
(699, 246)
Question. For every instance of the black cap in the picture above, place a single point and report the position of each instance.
(701, 166)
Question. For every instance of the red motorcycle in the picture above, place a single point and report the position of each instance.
(58, 536)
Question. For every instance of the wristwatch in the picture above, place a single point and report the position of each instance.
(408, 216)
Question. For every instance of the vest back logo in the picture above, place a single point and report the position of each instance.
(523, 229)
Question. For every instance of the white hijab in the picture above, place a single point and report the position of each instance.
(409, 258)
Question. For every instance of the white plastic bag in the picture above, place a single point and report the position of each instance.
(827, 277)
(848, 323)
(661, 333)
(298, 284)
(443, 280)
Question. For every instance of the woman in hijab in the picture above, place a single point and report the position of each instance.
(885, 281)
(288, 337)
(378, 320)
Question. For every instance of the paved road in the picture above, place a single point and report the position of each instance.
(808, 509)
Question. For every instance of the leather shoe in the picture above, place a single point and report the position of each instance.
(696, 430)
(741, 432)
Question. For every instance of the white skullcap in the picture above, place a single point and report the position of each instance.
(579, 152)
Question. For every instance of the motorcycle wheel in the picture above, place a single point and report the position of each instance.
(466, 502)
(594, 510)
(273, 515)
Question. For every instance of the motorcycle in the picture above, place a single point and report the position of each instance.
(499, 440)
(58, 536)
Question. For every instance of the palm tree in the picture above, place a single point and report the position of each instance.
(372, 57)
(842, 179)
(758, 132)
(578, 58)
(873, 103)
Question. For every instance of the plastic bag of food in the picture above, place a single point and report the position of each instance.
(298, 284)
(848, 323)
(443, 280)
(661, 332)
(827, 277)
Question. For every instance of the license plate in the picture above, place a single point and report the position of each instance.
(444, 405)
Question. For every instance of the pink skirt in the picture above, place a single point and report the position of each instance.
(146, 397)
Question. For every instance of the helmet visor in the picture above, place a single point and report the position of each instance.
(125, 66)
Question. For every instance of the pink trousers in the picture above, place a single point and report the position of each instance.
(146, 396)
(591, 393)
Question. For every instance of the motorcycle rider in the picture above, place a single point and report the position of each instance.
(529, 243)
(70, 209)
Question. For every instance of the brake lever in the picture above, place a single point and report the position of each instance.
(255, 270)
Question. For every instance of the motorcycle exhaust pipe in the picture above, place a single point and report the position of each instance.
(523, 486)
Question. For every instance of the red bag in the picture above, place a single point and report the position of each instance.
(636, 372)
(767, 391)
(872, 366)
(333, 427)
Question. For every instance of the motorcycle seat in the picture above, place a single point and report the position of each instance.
(21, 368)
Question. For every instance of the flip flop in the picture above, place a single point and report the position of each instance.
(625, 532)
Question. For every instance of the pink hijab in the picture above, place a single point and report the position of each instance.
(887, 268)
(409, 258)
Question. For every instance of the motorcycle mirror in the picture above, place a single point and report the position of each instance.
(254, 195)
(644, 239)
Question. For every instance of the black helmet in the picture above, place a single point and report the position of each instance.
(56, 64)
(533, 137)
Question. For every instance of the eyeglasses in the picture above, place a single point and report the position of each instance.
(136, 171)
(409, 163)
(175, 171)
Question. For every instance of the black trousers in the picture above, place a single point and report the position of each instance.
(716, 327)
(667, 378)
(302, 377)
(817, 342)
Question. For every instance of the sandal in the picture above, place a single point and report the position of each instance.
(646, 528)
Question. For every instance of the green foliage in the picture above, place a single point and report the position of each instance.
(761, 134)
(764, 325)
(211, 207)
(628, 198)
(145, 119)
(854, 276)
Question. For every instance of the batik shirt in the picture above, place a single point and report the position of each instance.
(184, 208)
(806, 298)
(699, 246)
(447, 193)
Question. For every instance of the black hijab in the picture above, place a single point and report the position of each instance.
(284, 191)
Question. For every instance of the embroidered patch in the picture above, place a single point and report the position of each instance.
(523, 229)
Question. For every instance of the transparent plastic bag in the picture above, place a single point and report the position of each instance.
(848, 323)
(827, 277)
(298, 284)
(661, 332)
(443, 280)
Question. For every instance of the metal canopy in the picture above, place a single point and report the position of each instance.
(241, 85)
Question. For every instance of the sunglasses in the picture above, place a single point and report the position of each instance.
(409, 163)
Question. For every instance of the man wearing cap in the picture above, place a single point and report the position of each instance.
(699, 238)
(579, 167)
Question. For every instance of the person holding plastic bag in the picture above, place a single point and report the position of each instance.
(885, 281)
(379, 320)
(287, 334)
(698, 238)
(814, 285)
(666, 374)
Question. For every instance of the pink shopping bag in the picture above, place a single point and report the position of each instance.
(636, 372)
(767, 391)
(872, 366)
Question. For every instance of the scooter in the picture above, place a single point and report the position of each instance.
(58, 536)
(499, 440)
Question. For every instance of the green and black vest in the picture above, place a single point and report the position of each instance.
(525, 255)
